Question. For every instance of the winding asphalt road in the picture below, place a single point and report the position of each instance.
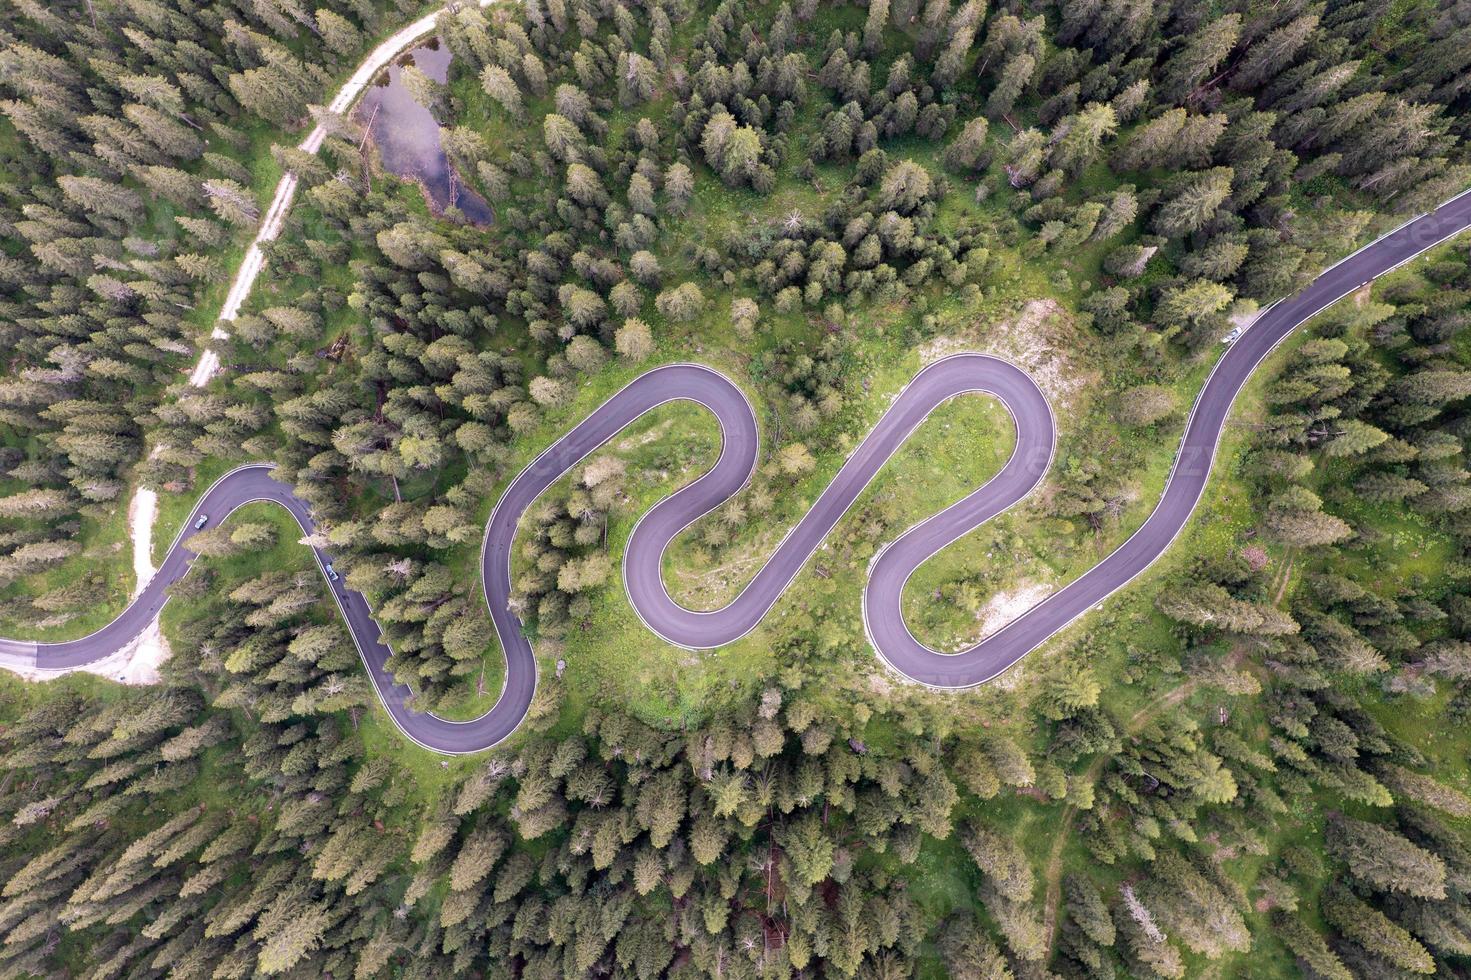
(889, 570)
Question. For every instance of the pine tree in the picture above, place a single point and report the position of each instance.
(1003, 862)
(1295, 516)
(585, 186)
(477, 857)
(1384, 859)
(1015, 76)
(905, 186)
(1086, 910)
(1198, 56)
(968, 150)
(1192, 304)
(1373, 931)
(289, 930)
(873, 27)
(1424, 789)
(679, 185)
(1146, 404)
(1354, 438)
(1193, 908)
(1082, 137)
(1269, 55)
(341, 36)
(1148, 947)
(968, 952)
(1205, 604)
(1193, 202)
(682, 303)
(809, 848)
(106, 198)
(499, 85)
(1310, 949)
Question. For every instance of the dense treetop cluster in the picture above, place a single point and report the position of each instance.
(804, 192)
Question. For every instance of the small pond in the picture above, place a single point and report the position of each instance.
(407, 136)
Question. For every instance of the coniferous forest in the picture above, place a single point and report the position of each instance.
(1254, 762)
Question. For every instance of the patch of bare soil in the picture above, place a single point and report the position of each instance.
(136, 662)
(1008, 604)
(141, 513)
(1043, 339)
(1001, 608)
(654, 434)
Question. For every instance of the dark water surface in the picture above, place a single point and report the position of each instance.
(407, 136)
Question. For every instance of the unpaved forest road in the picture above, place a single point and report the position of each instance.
(145, 501)
(250, 267)
(889, 569)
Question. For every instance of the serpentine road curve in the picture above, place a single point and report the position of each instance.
(889, 570)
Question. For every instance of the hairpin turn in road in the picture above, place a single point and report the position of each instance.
(890, 569)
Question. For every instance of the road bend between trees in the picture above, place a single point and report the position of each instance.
(889, 570)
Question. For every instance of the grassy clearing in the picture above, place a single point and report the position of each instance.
(612, 654)
(428, 774)
(283, 555)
